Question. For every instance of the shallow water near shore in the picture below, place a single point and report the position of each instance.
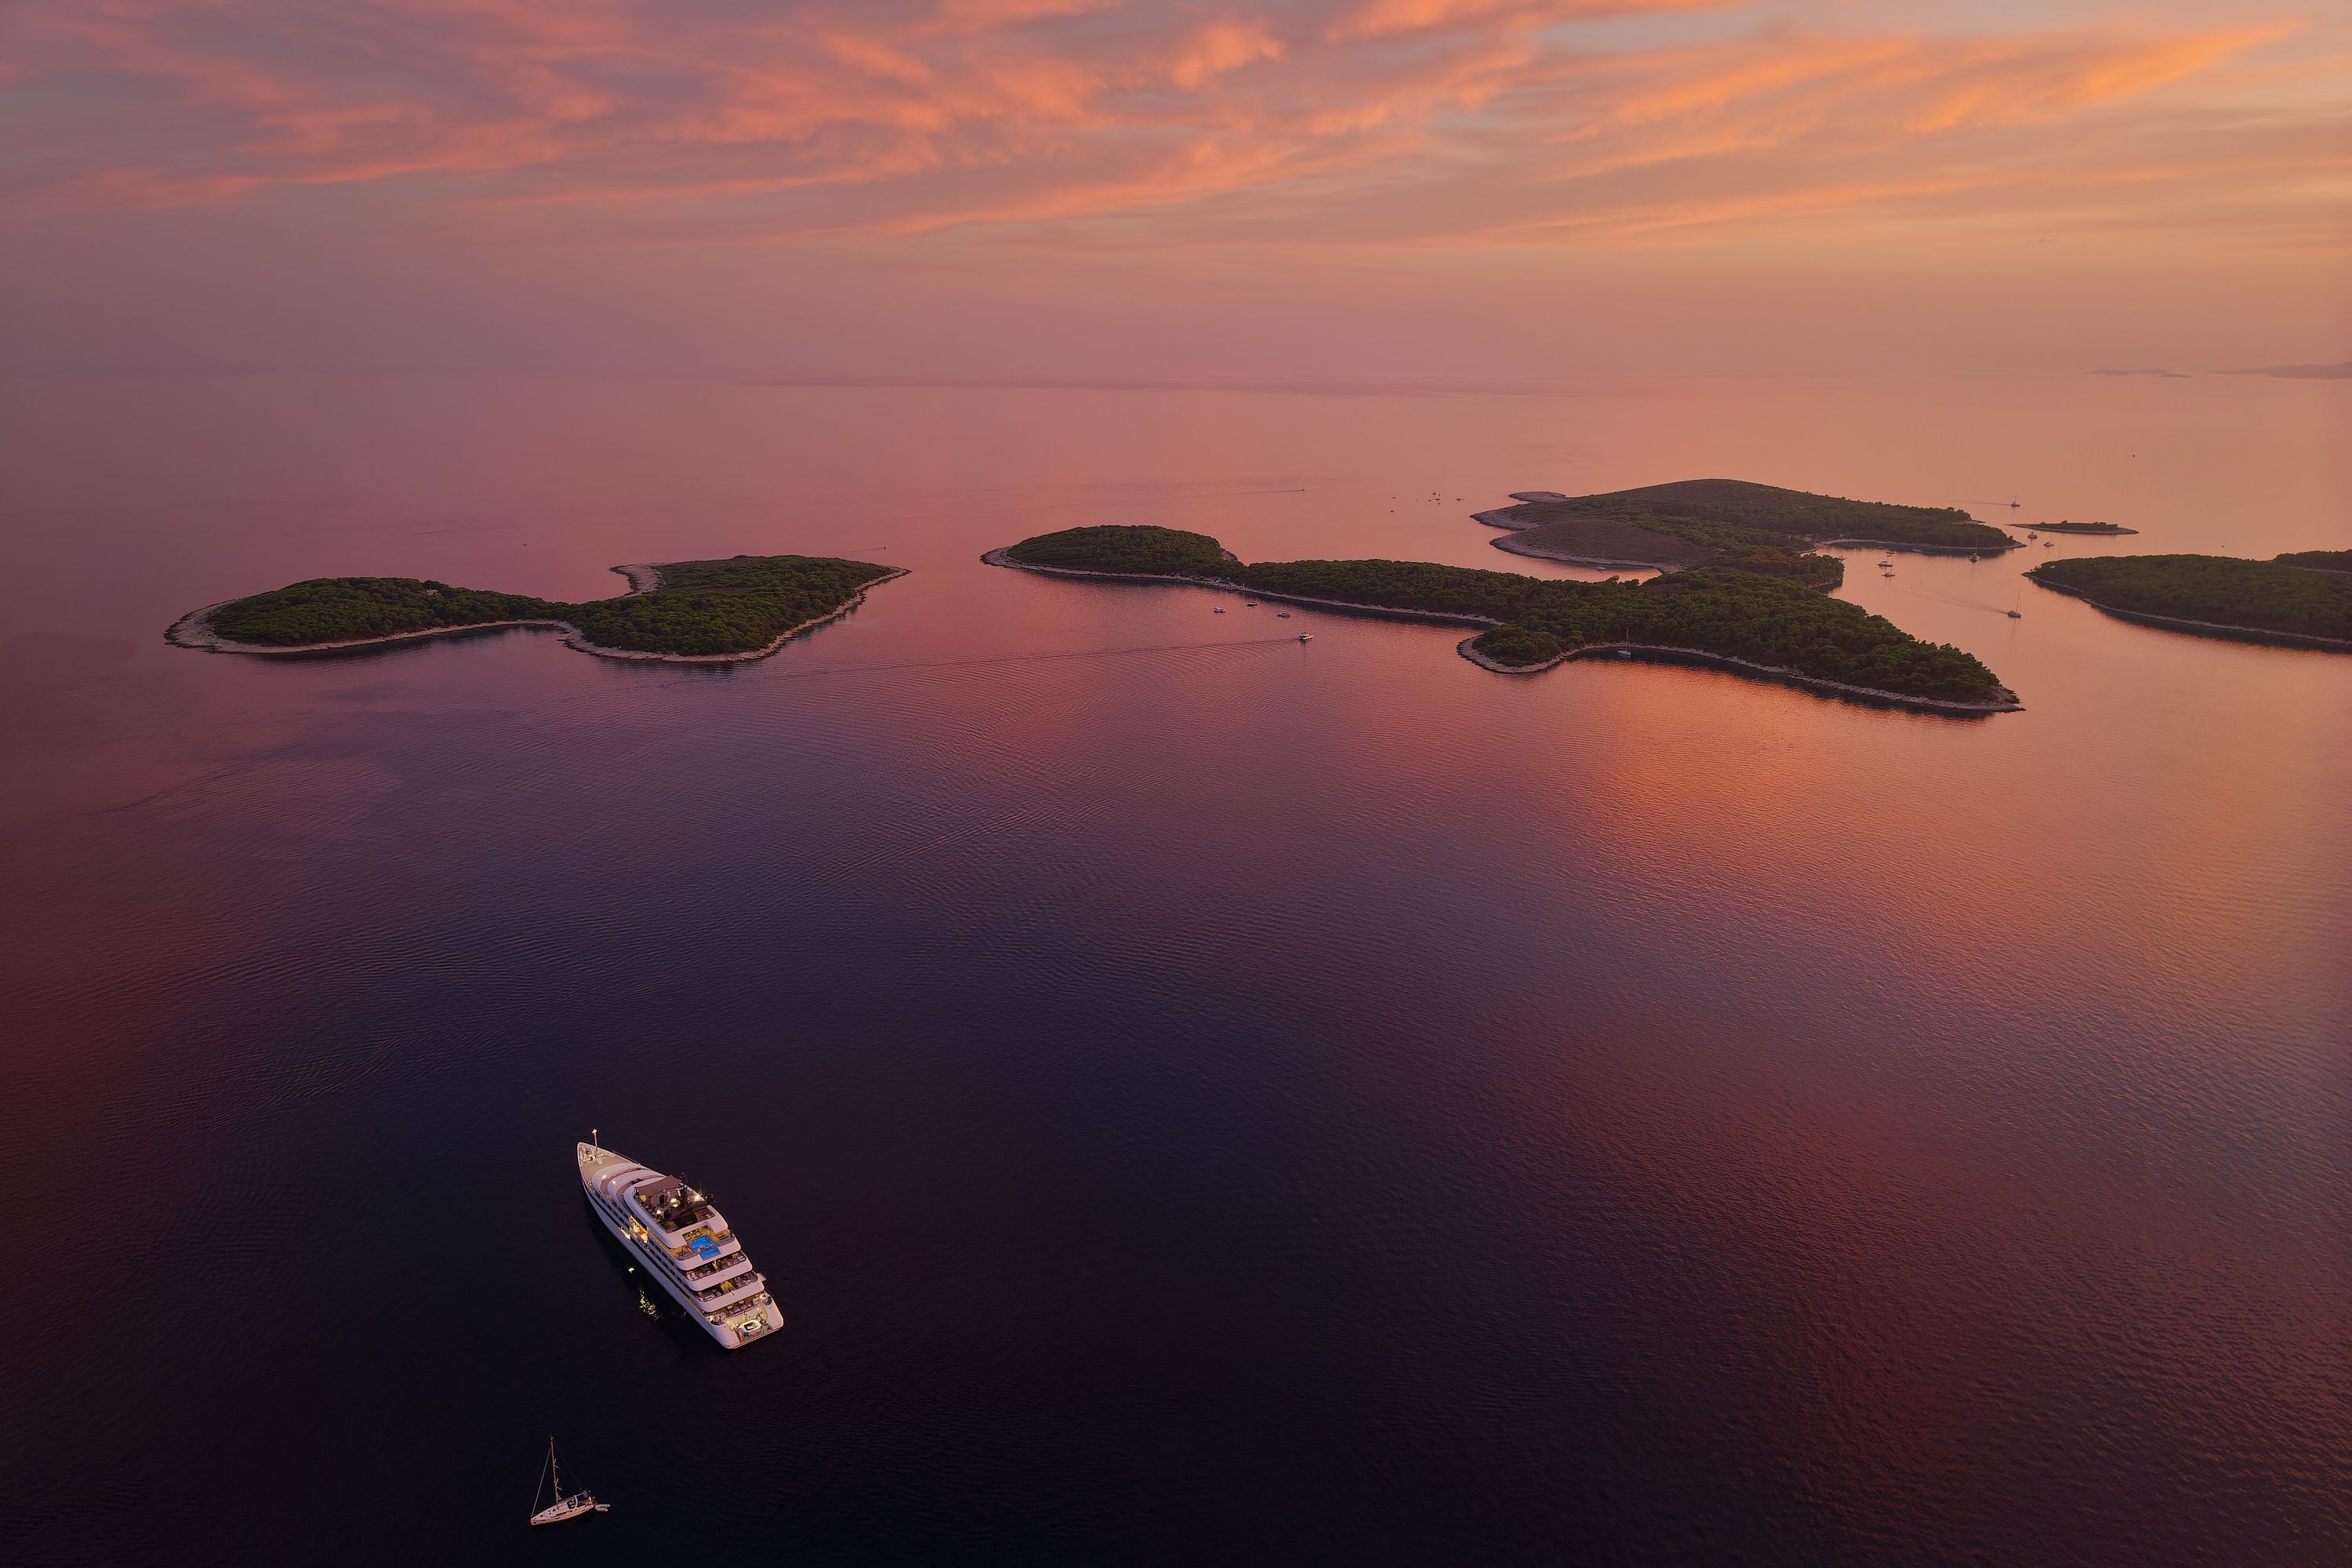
(1195, 1095)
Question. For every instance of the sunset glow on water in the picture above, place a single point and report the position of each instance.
(1177, 1077)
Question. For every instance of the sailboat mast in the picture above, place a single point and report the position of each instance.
(552, 1468)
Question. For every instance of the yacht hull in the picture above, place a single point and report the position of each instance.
(656, 1270)
(656, 1265)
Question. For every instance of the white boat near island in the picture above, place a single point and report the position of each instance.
(562, 1507)
(687, 1244)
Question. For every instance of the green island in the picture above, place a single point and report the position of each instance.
(2317, 560)
(2279, 600)
(1760, 624)
(2063, 526)
(1727, 524)
(691, 611)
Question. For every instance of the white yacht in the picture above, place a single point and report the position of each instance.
(683, 1243)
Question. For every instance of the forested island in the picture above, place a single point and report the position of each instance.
(1727, 525)
(2317, 560)
(692, 611)
(2063, 526)
(2287, 599)
(1767, 625)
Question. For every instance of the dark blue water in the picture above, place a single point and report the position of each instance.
(1197, 1097)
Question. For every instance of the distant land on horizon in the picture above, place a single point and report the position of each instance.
(2342, 371)
(2338, 372)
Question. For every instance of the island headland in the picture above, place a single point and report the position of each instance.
(1754, 623)
(2296, 599)
(2063, 526)
(681, 612)
(1727, 525)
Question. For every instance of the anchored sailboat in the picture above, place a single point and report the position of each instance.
(562, 1507)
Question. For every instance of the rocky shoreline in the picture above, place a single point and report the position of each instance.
(1516, 546)
(194, 630)
(1494, 517)
(1869, 694)
(2202, 628)
(1660, 653)
(1916, 549)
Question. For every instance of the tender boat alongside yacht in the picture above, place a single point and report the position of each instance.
(685, 1242)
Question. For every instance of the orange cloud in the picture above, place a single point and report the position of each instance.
(1347, 122)
(1224, 46)
(1378, 18)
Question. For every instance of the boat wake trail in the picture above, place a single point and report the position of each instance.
(1236, 645)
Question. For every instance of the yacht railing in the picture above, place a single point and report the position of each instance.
(732, 1291)
(737, 1308)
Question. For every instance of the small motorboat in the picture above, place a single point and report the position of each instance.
(2048, 543)
(1218, 610)
(2017, 614)
(564, 1507)
(1249, 605)
(2031, 534)
(1282, 615)
(1972, 555)
(1304, 637)
(1625, 653)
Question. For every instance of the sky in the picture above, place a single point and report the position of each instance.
(1308, 191)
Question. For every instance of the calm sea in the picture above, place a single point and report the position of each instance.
(1198, 1096)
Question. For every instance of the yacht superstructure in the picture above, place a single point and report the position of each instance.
(683, 1243)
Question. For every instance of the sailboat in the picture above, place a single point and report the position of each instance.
(564, 1507)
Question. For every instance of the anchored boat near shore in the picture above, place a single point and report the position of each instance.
(685, 1242)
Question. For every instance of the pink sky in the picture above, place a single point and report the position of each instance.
(1319, 190)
